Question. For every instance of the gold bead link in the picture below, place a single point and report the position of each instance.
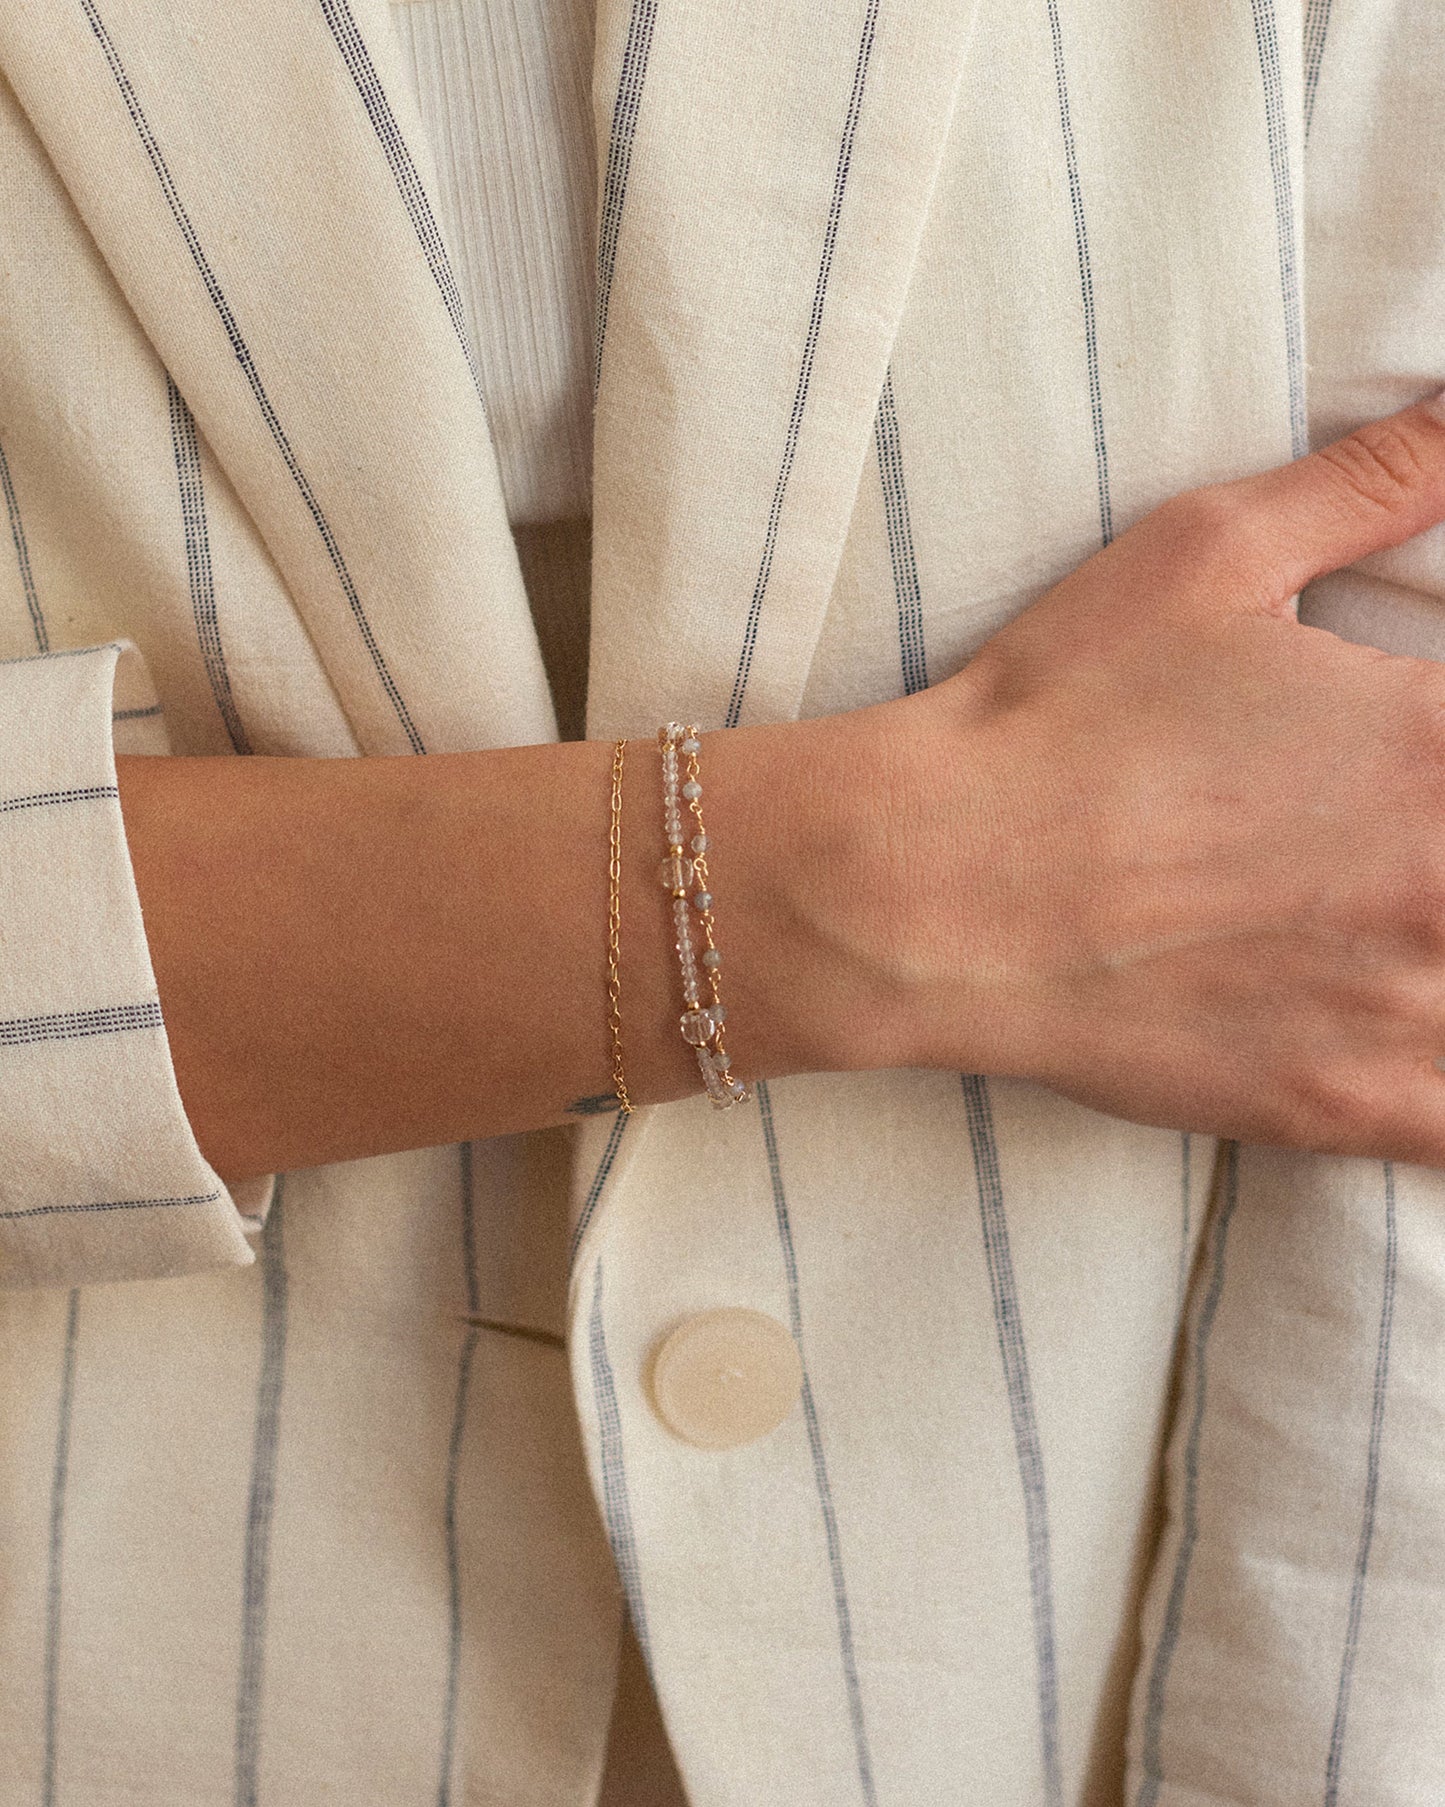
(735, 1092)
(614, 930)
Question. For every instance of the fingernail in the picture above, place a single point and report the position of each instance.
(1435, 404)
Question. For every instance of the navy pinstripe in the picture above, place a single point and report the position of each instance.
(1317, 27)
(1185, 1213)
(805, 369)
(55, 1557)
(171, 194)
(1086, 278)
(454, 1467)
(599, 1180)
(22, 556)
(113, 1204)
(619, 161)
(72, 1025)
(261, 1504)
(1266, 36)
(187, 453)
(399, 161)
(1008, 1322)
(1151, 1754)
(1372, 1489)
(907, 591)
(82, 793)
(841, 1609)
(616, 1500)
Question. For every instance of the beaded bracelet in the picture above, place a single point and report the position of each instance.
(701, 1023)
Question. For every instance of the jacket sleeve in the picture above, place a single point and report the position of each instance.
(100, 1176)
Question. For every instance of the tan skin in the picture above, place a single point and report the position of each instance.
(1158, 847)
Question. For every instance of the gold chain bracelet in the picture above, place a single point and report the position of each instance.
(683, 867)
(614, 930)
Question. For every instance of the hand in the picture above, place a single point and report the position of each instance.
(1168, 851)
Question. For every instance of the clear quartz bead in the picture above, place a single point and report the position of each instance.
(675, 872)
(697, 1027)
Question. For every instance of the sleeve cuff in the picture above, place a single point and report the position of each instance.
(100, 1175)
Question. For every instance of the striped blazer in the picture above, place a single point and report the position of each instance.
(1114, 1470)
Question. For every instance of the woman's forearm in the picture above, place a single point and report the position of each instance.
(361, 955)
(1158, 846)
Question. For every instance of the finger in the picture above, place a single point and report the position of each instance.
(1375, 488)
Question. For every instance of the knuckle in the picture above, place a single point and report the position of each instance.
(1377, 467)
(1209, 527)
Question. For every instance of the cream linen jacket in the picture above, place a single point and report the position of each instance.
(902, 309)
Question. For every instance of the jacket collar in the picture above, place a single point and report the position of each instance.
(765, 180)
(256, 182)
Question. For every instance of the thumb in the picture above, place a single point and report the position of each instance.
(1376, 487)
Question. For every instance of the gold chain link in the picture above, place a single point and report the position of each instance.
(614, 930)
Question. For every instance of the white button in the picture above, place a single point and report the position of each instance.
(726, 1377)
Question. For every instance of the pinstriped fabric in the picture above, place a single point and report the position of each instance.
(625, 110)
(199, 572)
(447, 1757)
(1185, 1211)
(149, 713)
(22, 556)
(1151, 1755)
(261, 1504)
(1008, 1322)
(1317, 27)
(1086, 276)
(64, 652)
(85, 793)
(805, 369)
(616, 1498)
(244, 358)
(115, 1204)
(1124, 1189)
(351, 44)
(454, 1463)
(906, 588)
(55, 1559)
(848, 1656)
(69, 1025)
(1335, 1760)
(599, 1180)
(1266, 34)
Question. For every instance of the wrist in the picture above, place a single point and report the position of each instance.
(796, 811)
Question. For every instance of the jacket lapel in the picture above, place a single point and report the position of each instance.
(252, 175)
(764, 187)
